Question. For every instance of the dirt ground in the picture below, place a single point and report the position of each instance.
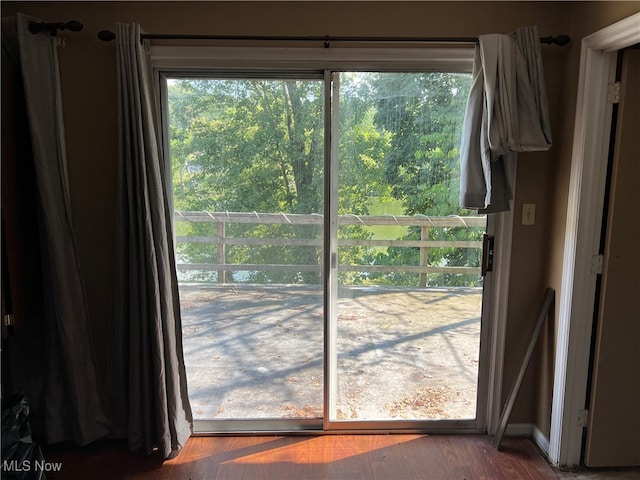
(257, 352)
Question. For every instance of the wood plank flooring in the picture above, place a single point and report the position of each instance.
(392, 457)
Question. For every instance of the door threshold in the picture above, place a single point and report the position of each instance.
(315, 427)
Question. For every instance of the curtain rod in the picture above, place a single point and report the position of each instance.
(107, 36)
(52, 28)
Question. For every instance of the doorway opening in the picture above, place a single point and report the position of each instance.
(328, 278)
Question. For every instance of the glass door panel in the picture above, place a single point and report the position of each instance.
(247, 169)
(402, 304)
(409, 298)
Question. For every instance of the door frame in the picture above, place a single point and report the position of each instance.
(582, 235)
(185, 60)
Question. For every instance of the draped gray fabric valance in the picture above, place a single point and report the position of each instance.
(507, 112)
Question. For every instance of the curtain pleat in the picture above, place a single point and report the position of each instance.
(146, 377)
(507, 112)
(70, 393)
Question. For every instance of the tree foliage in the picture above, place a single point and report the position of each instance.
(422, 164)
(250, 145)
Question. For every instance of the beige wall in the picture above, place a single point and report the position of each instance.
(89, 92)
(580, 20)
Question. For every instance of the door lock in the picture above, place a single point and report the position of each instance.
(487, 254)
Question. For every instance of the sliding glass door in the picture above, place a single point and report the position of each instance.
(327, 277)
(247, 164)
(409, 296)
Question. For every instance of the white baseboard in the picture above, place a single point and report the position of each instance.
(530, 430)
(541, 440)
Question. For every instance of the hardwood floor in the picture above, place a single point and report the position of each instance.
(393, 457)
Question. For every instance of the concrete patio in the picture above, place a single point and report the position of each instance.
(256, 351)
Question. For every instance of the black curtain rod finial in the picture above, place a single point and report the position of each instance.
(52, 28)
(106, 35)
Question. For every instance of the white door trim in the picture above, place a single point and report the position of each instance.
(582, 240)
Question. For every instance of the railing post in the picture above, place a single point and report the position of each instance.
(221, 252)
(424, 255)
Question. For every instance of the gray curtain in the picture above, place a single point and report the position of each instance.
(64, 385)
(146, 376)
(507, 112)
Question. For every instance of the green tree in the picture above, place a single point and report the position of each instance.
(248, 145)
(257, 145)
(362, 148)
(422, 164)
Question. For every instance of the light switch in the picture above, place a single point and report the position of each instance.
(528, 214)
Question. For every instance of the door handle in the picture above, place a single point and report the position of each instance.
(487, 254)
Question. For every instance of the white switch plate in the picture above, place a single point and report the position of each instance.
(528, 214)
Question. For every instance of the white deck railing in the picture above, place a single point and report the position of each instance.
(221, 240)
